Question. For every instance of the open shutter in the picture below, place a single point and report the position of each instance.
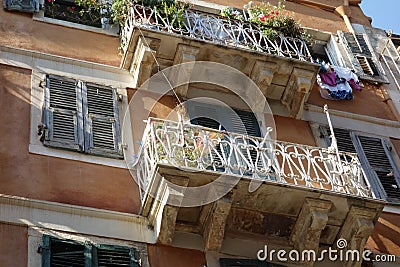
(382, 167)
(343, 138)
(333, 53)
(102, 121)
(110, 256)
(60, 253)
(21, 5)
(361, 57)
(62, 113)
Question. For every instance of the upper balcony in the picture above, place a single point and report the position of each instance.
(280, 66)
(316, 195)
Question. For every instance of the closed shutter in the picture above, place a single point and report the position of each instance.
(61, 113)
(360, 56)
(21, 5)
(375, 159)
(382, 167)
(110, 256)
(61, 253)
(102, 133)
(343, 138)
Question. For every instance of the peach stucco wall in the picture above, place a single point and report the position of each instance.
(369, 102)
(294, 131)
(386, 235)
(165, 256)
(50, 178)
(20, 30)
(13, 245)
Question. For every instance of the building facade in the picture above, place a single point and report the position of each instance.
(185, 137)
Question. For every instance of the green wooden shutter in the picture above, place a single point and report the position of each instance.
(361, 57)
(63, 113)
(113, 256)
(382, 168)
(102, 129)
(60, 253)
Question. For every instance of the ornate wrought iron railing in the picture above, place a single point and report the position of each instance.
(195, 148)
(214, 28)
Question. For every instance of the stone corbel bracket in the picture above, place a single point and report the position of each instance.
(310, 224)
(144, 59)
(184, 54)
(297, 90)
(356, 229)
(263, 73)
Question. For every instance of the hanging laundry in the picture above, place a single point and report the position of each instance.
(337, 83)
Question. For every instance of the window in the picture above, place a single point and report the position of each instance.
(58, 252)
(21, 5)
(90, 13)
(245, 263)
(376, 159)
(212, 116)
(360, 55)
(82, 117)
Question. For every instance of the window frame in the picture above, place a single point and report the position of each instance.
(91, 73)
(83, 118)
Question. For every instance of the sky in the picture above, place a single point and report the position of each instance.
(385, 14)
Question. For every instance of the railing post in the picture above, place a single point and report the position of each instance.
(333, 147)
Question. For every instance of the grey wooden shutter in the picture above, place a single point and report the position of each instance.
(361, 57)
(343, 138)
(21, 5)
(63, 113)
(60, 253)
(382, 168)
(110, 256)
(102, 129)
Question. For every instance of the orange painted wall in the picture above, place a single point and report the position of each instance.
(165, 256)
(20, 30)
(294, 131)
(13, 245)
(368, 102)
(386, 235)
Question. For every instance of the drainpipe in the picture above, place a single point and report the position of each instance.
(345, 12)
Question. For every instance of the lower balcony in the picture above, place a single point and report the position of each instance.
(219, 185)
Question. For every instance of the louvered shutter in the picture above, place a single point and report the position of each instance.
(382, 167)
(102, 131)
(343, 138)
(21, 5)
(62, 113)
(360, 56)
(113, 256)
(61, 253)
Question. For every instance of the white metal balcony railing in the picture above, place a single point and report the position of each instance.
(195, 148)
(214, 28)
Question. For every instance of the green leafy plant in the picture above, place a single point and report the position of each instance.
(272, 20)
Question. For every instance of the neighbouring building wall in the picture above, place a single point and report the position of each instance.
(165, 256)
(386, 235)
(20, 30)
(13, 245)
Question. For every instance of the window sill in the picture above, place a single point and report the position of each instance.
(71, 155)
(113, 31)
